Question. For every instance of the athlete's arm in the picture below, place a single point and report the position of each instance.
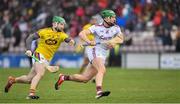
(118, 39)
(83, 35)
(29, 40)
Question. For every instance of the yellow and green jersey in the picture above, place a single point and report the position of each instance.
(49, 42)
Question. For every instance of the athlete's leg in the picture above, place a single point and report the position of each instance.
(88, 74)
(26, 78)
(98, 63)
(40, 71)
(22, 79)
(39, 68)
(85, 63)
(101, 70)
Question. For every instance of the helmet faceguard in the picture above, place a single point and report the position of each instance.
(56, 20)
(106, 14)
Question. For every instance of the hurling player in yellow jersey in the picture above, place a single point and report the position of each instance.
(49, 40)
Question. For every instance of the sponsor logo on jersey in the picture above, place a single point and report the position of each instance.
(51, 41)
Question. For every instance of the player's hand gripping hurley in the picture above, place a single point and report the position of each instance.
(52, 69)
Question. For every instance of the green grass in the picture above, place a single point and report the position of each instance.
(126, 86)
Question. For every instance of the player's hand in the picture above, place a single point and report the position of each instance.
(72, 42)
(110, 44)
(28, 53)
(79, 48)
(91, 43)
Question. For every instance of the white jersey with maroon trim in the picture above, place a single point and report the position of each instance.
(101, 34)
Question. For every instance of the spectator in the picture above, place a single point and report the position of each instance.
(7, 32)
(17, 35)
(131, 14)
(166, 38)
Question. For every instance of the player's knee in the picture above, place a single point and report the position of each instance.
(86, 79)
(40, 74)
(102, 70)
(29, 81)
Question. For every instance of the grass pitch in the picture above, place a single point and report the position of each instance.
(126, 86)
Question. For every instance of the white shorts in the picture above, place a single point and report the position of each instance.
(33, 45)
(93, 52)
(41, 58)
(85, 51)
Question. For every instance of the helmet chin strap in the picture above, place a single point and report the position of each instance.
(109, 24)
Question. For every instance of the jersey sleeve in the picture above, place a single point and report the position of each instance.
(86, 26)
(39, 33)
(118, 30)
(64, 36)
(92, 29)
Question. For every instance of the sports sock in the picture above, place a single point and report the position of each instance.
(66, 77)
(98, 89)
(31, 92)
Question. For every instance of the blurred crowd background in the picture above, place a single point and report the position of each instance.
(148, 25)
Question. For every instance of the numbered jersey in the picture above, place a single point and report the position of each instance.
(49, 42)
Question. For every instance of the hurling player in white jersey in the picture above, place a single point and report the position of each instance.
(109, 35)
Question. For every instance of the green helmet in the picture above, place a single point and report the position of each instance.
(58, 19)
(107, 13)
